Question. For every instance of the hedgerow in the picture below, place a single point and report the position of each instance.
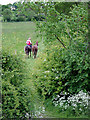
(15, 95)
(65, 70)
(64, 73)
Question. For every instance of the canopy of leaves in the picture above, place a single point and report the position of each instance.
(7, 15)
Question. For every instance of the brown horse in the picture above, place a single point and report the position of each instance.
(35, 49)
(28, 50)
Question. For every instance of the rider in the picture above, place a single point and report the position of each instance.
(29, 43)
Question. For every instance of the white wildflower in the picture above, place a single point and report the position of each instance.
(58, 96)
(44, 59)
(80, 109)
(43, 109)
(57, 77)
(47, 71)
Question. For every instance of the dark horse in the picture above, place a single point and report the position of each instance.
(35, 49)
(28, 50)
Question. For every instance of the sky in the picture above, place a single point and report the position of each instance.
(4, 2)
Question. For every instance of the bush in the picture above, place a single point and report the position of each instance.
(20, 18)
(39, 17)
(15, 95)
(63, 73)
(7, 15)
(64, 70)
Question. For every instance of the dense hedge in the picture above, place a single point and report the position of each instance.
(15, 95)
(64, 71)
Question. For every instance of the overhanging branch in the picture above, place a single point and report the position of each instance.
(60, 41)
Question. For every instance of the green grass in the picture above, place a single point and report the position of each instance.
(54, 112)
(14, 35)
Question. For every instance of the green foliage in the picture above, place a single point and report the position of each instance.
(64, 7)
(20, 18)
(25, 11)
(30, 15)
(13, 70)
(71, 61)
(7, 15)
(57, 26)
(15, 94)
(5, 7)
(64, 70)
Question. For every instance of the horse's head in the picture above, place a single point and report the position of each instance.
(37, 43)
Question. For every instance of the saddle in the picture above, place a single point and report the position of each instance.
(28, 46)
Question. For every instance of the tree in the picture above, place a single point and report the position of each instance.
(64, 7)
(66, 69)
(57, 24)
(5, 7)
(7, 15)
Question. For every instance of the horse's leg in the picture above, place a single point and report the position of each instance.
(27, 55)
(34, 54)
(27, 52)
(30, 53)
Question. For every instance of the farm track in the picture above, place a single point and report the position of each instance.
(30, 64)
